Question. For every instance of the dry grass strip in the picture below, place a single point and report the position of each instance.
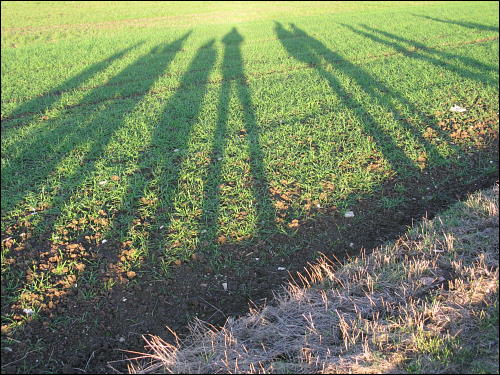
(427, 303)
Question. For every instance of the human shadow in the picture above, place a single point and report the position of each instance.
(170, 132)
(39, 156)
(318, 54)
(144, 308)
(469, 25)
(233, 79)
(446, 60)
(160, 164)
(49, 99)
(96, 133)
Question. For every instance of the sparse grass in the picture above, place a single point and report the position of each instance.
(137, 137)
(335, 321)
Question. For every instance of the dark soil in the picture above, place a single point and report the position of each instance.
(89, 333)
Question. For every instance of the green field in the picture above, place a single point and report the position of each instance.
(153, 151)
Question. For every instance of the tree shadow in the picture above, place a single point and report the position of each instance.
(447, 60)
(40, 155)
(232, 66)
(469, 25)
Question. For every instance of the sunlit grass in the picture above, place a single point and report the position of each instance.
(133, 145)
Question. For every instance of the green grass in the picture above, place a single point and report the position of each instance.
(168, 129)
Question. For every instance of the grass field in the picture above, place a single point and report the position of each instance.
(153, 151)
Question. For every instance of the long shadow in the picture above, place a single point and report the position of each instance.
(260, 184)
(416, 55)
(63, 136)
(386, 144)
(40, 105)
(49, 99)
(469, 25)
(446, 61)
(172, 131)
(149, 309)
(160, 164)
(232, 66)
(98, 142)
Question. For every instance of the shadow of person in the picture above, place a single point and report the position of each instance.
(234, 78)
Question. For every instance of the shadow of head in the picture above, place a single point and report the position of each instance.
(233, 37)
(175, 45)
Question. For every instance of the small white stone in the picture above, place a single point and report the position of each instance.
(104, 241)
(219, 158)
(349, 214)
(457, 108)
(176, 150)
(257, 259)
(224, 285)
(121, 339)
(318, 205)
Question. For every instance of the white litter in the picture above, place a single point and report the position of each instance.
(349, 214)
(351, 244)
(457, 108)
(224, 285)
(28, 311)
(103, 182)
(104, 241)
(121, 339)
(176, 150)
(281, 268)
(219, 158)
(163, 226)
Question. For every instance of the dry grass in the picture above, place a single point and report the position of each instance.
(427, 303)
